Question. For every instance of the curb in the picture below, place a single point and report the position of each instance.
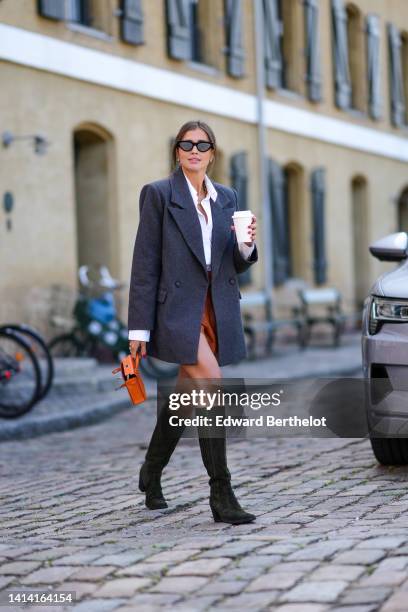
(63, 421)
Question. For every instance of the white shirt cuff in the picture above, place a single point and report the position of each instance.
(139, 334)
(246, 250)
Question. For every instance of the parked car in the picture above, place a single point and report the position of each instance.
(385, 353)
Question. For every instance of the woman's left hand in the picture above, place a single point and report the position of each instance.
(251, 231)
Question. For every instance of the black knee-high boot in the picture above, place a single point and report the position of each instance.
(162, 444)
(223, 503)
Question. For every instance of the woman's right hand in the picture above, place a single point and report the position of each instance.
(134, 347)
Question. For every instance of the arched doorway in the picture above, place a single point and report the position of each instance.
(360, 236)
(96, 216)
(297, 221)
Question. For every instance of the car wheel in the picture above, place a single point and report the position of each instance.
(390, 451)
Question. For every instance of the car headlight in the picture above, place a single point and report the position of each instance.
(386, 309)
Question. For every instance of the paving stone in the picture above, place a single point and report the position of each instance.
(248, 601)
(19, 568)
(92, 573)
(122, 587)
(274, 581)
(386, 542)
(80, 558)
(5, 580)
(384, 577)
(97, 605)
(80, 588)
(50, 553)
(184, 584)
(359, 557)
(276, 549)
(151, 601)
(18, 551)
(244, 574)
(337, 572)
(222, 587)
(321, 551)
(47, 575)
(258, 561)
(396, 603)
(195, 604)
(120, 559)
(234, 549)
(201, 567)
(295, 566)
(172, 556)
(302, 608)
(327, 591)
(393, 563)
(142, 569)
(357, 595)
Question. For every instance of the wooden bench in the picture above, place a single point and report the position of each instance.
(321, 306)
(267, 323)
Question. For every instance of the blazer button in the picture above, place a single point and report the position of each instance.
(177, 283)
(232, 281)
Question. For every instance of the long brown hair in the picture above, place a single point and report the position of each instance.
(186, 127)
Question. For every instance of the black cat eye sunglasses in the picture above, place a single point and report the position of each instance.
(202, 145)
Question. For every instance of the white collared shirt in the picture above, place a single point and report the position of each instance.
(206, 230)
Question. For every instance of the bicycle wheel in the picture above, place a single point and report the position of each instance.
(20, 375)
(40, 349)
(66, 345)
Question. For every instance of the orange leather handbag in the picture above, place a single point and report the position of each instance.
(132, 378)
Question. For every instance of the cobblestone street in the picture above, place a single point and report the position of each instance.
(331, 529)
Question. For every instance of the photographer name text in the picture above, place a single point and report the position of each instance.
(260, 421)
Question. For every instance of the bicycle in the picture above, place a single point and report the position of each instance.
(96, 331)
(20, 375)
(39, 347)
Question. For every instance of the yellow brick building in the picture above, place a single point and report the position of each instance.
(105, 84)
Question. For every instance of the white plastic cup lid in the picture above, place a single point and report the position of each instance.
(242, 213)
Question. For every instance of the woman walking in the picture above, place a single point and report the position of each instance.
(184, 299)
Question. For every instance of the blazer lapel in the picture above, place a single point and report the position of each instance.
(186, 217)
(222, 210)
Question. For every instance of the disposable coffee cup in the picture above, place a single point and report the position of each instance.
(242, 220)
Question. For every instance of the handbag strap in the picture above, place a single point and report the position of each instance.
(136, 361)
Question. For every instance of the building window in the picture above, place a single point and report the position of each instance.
(373, 65)
(197, 52)
(398, 73)
(93, 14)
(292, 59)
(94, 17)
(204, 36)
(356, 54)
(191, 31)
(290, 13)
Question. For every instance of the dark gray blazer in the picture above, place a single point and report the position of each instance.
(169, 279)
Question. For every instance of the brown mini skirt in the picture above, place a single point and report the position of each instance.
(208, 324)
